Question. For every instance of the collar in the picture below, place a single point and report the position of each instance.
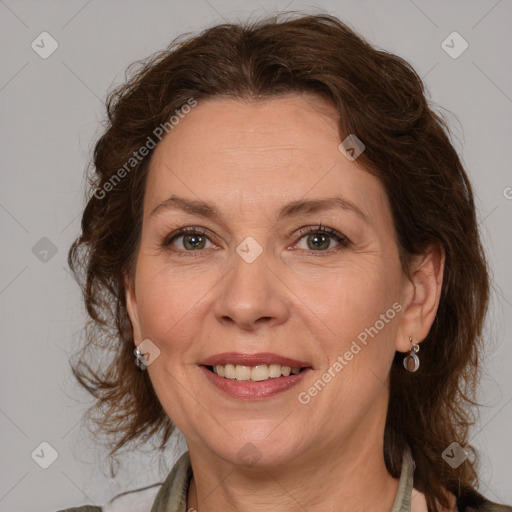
(172, 496)
(403, 496)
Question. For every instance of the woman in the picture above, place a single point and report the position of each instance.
(282, 238)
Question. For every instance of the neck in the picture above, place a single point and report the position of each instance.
(353, 478)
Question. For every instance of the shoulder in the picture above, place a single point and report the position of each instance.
(129, 501)
(469, 500)
(159, 496)
(85, 508)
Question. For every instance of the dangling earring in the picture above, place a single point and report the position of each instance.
(411, 360)
(140, 359)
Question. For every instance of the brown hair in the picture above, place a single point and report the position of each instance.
(380, 98)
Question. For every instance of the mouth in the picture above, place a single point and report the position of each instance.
(256, 373)
(253, 376)
(242, 386)
(259, 367)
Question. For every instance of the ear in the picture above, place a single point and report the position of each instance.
(131, 307)
(420, 296)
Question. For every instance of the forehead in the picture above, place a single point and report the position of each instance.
(258, 155)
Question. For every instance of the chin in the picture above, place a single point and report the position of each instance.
(259, 451)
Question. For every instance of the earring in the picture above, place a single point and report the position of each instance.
(140, 359)
(411, 360)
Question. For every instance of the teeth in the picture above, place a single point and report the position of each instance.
(229, 371)
(254, 373)
(274, 370)
(260, 372)
(242, 372)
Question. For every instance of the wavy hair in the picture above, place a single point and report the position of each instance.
(381, 99)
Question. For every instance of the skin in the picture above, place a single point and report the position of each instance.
(250, 158)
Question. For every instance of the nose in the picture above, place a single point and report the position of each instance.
(252, 295)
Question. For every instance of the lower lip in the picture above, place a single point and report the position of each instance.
(251, 390)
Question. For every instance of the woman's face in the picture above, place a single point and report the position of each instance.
(253, 275)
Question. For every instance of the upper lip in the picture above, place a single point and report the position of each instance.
(252, 360)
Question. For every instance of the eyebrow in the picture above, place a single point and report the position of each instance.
(293, 209)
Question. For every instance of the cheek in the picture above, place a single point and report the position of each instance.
(361, 310)
(350, 297)
(338, 301)
(168, 301)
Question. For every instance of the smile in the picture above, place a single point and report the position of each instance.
(258, 373)
(249, 389)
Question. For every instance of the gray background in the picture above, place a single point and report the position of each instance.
(51, 111)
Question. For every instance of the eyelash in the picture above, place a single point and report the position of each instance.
(341, 239)
(333, 233)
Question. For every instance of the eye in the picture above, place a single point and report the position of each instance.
(319, 238)
(189, 239)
